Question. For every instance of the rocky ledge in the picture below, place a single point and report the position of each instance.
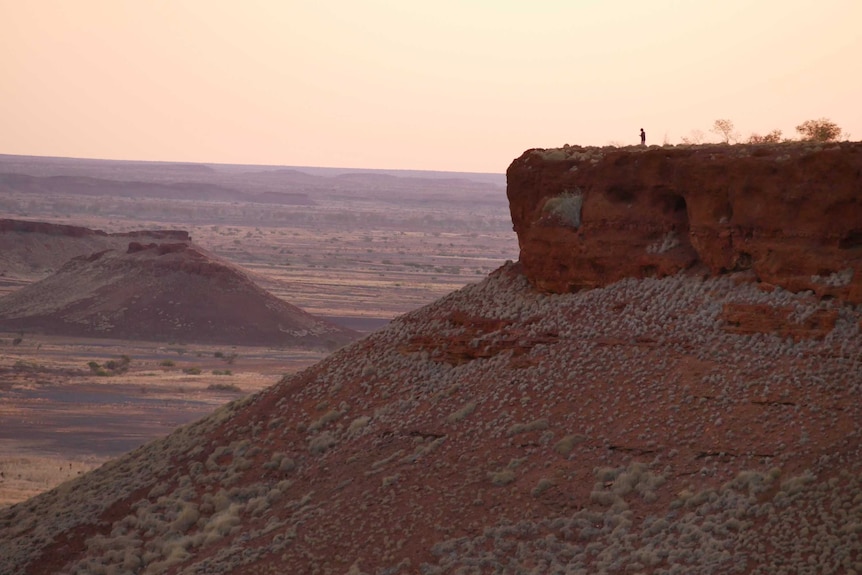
(788, 215)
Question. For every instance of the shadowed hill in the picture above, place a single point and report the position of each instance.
(631, 428)
(162, 292)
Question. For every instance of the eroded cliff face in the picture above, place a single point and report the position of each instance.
(788, 214)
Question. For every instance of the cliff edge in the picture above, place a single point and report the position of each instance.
(788, 214)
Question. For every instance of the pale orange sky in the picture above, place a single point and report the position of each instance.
(462, 85)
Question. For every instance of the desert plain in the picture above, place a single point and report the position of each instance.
(357, 248)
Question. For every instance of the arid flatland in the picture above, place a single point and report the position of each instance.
(357, 250)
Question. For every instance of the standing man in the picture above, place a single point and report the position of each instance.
(643, 137)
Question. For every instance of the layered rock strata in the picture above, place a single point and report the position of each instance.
(790, 214)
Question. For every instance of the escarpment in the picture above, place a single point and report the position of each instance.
(790, 214)
(8, 226)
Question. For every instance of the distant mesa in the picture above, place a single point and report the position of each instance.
(160, 249)
(162, 291)
(31, 250)
(51, 229)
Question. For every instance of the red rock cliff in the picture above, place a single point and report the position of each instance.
(790, 213)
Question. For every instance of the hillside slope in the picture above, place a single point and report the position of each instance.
(648, 426)
(162, 292)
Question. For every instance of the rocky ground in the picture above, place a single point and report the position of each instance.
(642, 427)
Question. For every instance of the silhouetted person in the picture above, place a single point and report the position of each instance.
(643, 137)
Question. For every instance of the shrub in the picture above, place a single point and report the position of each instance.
(286, 465)
(118, 366)
(229, 358)
(221, 524)
(466, 410)
(96, 369)
(358, 424)
(326, 418)
(192, 370)
(695, 138)
(822, 130)
(321, 443)
(224, 387)
(187, 517)
(502, 477)
(725, 130)
(111, 367)
(567, 444)
(772, 137)
(543, 485)
(535, 425)
(566, 207)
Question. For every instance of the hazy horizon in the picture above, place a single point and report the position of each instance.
(451, 87)
(496, 178)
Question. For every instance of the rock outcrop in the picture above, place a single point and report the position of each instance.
(790, 214)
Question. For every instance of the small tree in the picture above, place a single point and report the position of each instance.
(772, 137)
(822, 130)
(725, 130)
(695, 137)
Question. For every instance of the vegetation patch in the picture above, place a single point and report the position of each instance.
(565, 208)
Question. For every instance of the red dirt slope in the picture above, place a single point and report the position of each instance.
(626, 429)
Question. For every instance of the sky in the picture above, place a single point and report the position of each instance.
(450, 85)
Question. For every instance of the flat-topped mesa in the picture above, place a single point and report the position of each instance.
(790, 214)
(50, 229)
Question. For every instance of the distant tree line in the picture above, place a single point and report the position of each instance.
(820, 130)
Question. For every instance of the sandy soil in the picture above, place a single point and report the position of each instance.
(59, 418)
